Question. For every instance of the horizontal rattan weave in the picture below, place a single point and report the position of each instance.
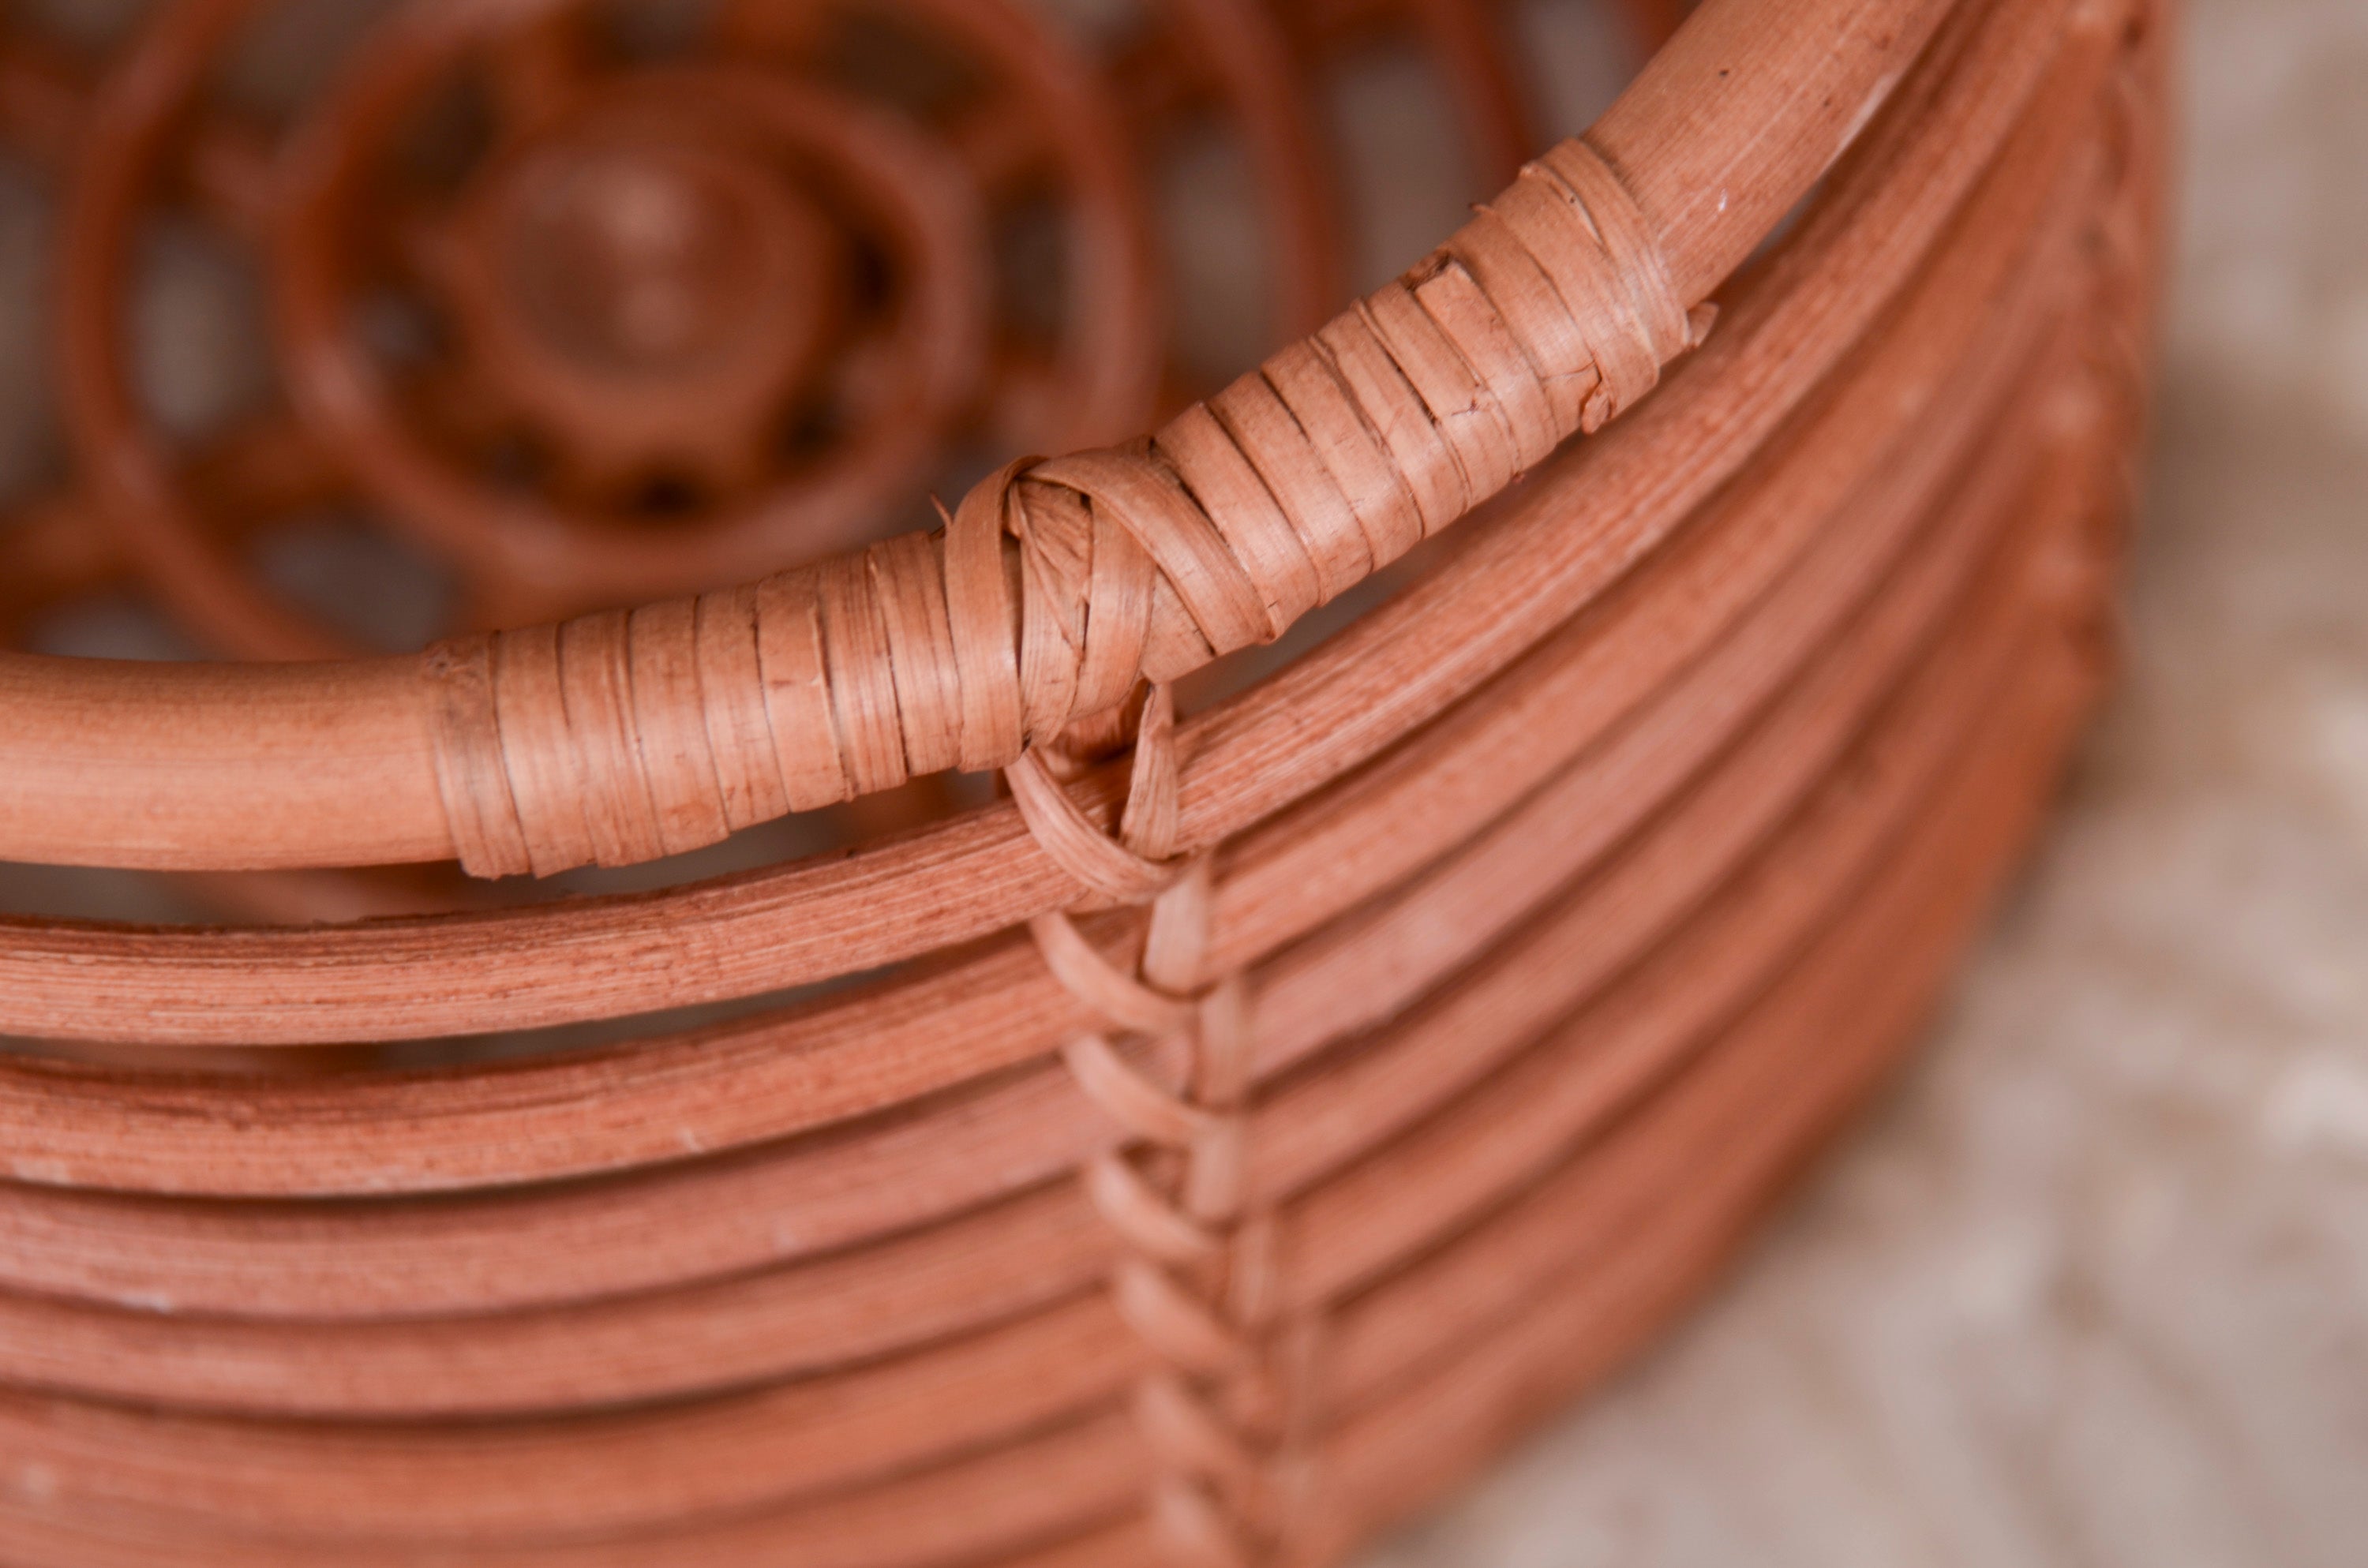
(1223, 1140)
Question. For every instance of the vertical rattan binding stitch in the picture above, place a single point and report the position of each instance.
(1222, 1407)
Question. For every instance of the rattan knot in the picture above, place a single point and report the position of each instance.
(1136, 866)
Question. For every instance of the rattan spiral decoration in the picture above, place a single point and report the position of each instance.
(724, 309)
(1223, 1133)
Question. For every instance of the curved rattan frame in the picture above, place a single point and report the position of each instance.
(1531, 929)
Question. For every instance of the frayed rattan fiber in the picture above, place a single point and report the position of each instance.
(1262, 1114)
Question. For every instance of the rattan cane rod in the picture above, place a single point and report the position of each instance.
(1004, 1500)
(739, 925)
(739, 1332)
(1651, 1133)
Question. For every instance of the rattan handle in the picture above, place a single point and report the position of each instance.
(1055, 585)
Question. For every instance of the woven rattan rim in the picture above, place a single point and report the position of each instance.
(1573, 286)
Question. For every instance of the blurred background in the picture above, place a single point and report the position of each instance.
(2091, 1287)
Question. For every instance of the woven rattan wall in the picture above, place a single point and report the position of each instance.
(1243, 1126)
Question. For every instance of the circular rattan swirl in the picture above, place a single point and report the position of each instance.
(704, 185)
(1273, 1107)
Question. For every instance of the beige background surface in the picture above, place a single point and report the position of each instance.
(2091, 1286)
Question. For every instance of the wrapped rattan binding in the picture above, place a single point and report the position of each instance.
(1298, 1096)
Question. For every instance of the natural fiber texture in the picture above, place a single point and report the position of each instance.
(1291, 1097)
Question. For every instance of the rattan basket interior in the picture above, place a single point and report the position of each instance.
(1211, 1132)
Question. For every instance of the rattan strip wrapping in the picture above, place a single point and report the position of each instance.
(1223, 1230)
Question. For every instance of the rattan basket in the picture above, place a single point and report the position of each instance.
(1249, 1117)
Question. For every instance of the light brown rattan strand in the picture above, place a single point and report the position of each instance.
(745, 1331)
(655, 911)
(820, 1529)
(1523, 1115)
(741, 937)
